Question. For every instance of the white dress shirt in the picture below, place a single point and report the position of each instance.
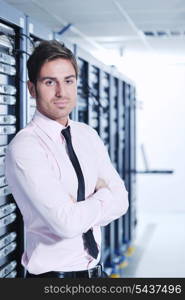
(42, 180)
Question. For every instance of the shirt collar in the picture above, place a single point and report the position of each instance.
(51, 127)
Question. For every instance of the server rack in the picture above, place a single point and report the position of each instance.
(90, 97)
(120, 241)
(11, 104)
(116, 133)
(104, 132)
(130, 219)
(110, 230)
(133, 217)
(107, 103)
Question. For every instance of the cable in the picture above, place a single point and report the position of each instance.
(28, 37)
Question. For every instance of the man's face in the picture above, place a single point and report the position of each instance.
(55, 89)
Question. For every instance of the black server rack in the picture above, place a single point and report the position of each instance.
(11, 100)
(122, 240)
(104, 132)
(133, 218)
(93, 109)
(110, 230)
(130, 219)
(117, 129)
(106, 101)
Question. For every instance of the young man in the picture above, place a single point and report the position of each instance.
(60, 174)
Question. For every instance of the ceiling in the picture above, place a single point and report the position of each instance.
(122, 25)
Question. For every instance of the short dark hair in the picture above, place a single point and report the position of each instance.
(47, 51)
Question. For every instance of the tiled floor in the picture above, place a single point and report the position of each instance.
(159, 247)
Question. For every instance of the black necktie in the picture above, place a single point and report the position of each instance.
(88, 238)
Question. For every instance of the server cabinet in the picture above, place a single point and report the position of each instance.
(11, 100)
(130, 219)
(93, 108)
(133, 218)
(119, 143)
(106, 102)
(113, 134)
(104, 132)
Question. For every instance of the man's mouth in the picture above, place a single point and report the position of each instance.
(61, 103)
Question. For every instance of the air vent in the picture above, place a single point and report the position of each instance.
(176, 33)
(164, 33)
(149, 33)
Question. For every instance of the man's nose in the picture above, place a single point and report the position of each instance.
(59, 90)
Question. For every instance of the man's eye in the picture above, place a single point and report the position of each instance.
(69, 81)
(50, 82)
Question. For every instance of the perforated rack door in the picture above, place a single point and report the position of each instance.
(10, 220)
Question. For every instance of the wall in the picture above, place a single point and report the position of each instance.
(161, 128)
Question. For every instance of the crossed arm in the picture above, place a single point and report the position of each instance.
(51, 202)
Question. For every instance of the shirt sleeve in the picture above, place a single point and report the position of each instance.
(41, 196)
(114, 199)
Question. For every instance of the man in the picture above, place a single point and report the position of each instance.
(60, 174)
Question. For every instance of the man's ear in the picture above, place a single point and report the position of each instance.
(31, 88)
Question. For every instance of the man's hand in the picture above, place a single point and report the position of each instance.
(99, 185)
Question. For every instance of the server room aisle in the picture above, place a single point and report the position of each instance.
(159, 247)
